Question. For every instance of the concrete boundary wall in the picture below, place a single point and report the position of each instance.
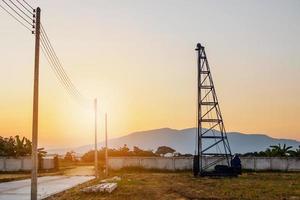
(186, 163)
(23, 163)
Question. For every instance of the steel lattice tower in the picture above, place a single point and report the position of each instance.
(211, 134)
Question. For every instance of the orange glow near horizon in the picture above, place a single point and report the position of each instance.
(139, 61)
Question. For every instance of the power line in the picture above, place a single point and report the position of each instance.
(18, 13)
(28, 5)
(56, 70)
(52, 65)
(21, 10)
(59, 71)
(16, 18)
(25, 7)
(59, 63)
(47, 48)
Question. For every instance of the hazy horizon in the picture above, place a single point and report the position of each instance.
(138, 59)
(180, 139)
(154, 129)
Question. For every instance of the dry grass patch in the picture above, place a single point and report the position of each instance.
(158, 185)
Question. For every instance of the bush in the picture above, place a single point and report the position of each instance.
(123, 151)
(14, 146)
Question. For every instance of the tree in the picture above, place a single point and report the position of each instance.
(7, 147)
(278, 150)
(70, 156)
(295, 153)
(22, 146)
(163, 150)
(124, 149)
(89, 156)
(14, 146)
(140, 152)
(41, 153)
(137, 150)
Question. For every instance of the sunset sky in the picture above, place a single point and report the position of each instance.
(138, 58)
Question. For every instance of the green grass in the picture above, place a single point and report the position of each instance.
(142, 184)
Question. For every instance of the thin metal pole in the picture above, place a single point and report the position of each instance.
(199, 130)
(34, 153)
(200, 112)
(106, 147)
(96, 148)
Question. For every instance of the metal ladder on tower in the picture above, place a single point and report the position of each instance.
(212, 143)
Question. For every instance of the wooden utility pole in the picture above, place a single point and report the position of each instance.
(96, 148)
(34, 153)
(106, 153)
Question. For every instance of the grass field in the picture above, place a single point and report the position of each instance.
(182, 185)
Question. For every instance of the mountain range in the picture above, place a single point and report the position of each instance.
(183, 141)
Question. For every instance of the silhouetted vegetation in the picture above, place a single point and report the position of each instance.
(70, 156)
(122, 151)
(126, 152)
(163, 150)
(276, 151)
(14, 146)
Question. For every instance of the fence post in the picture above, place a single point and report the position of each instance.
(174, 167)
(140, 162)
(271, 163)
(4, 164)
(22, 163)
(287, 164)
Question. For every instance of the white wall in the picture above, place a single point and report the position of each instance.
(22, 164)
(48, 163)
(184, 163)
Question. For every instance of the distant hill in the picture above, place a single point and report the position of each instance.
(184, 141)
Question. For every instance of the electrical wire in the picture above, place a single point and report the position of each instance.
(19, 21)
(25, 20)
(50, 63)
(56, 66)
(64, 74)
(25, 7)
(54, 61)
(58, 73)
(28, 5)
(46, 47)
(56, 58)
(21, 10)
